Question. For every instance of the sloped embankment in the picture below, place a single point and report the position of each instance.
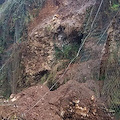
(72, 101)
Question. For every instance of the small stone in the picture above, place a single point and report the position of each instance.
(94, 111)
(93, 98)
(62, 113)
(76, 101)
(36, 33)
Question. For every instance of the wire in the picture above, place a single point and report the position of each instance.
(5, 63)
(103, 35)
(89, 16)
(105, 32)
(70, 61)
(97, 13)
(14, 46)
(90, 28)
(107, 27)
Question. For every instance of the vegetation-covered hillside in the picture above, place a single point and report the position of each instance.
(15, 16)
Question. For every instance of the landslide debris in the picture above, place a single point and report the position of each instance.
(72, 101)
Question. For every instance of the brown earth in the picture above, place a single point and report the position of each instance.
(38, 52)
(72, 101)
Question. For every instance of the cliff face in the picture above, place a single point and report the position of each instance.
(58, 24)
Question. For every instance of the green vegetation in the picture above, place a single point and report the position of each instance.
(50, 79)
(67, 52)
(115, 7)
(112, 84)
(4, 86)
(15, 16)
(102, 78)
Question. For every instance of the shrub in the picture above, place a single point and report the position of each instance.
(67, 52)
(115, 7)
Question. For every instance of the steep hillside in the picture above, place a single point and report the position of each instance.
(68, 66)
(62, 27)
